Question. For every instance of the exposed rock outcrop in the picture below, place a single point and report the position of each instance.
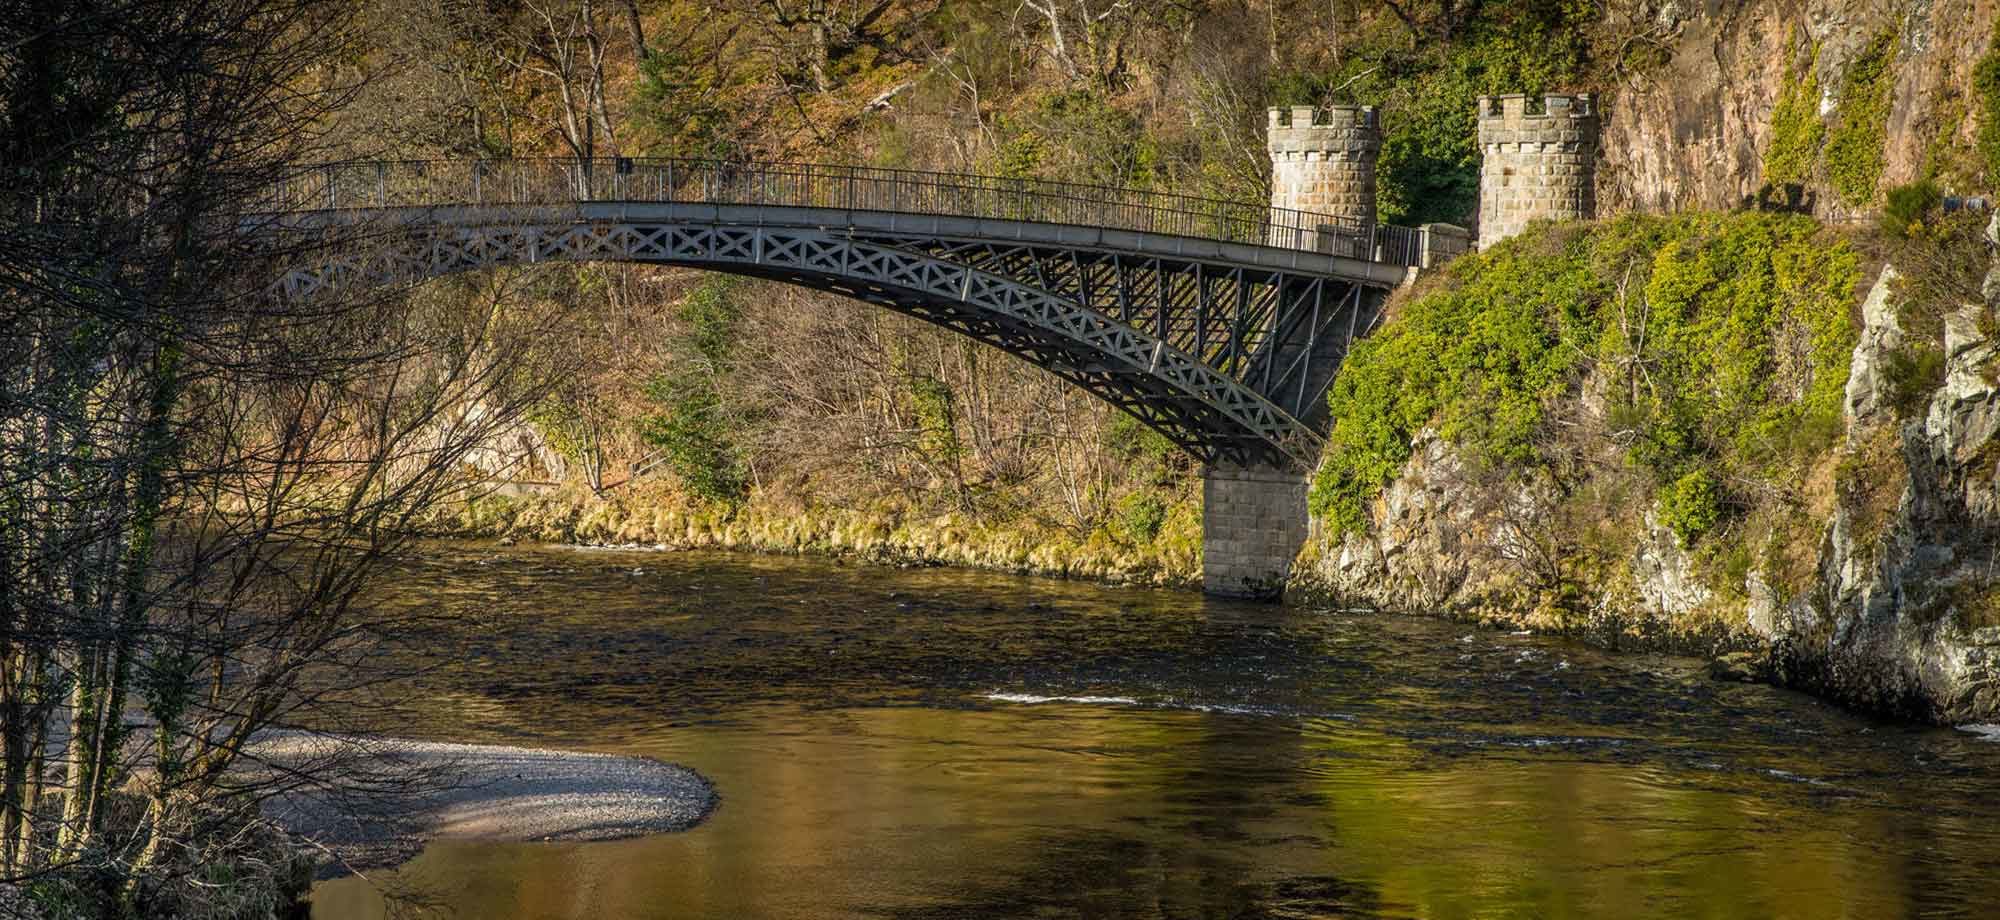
(1451, 538)
(1881, 335)
(1907, 617)
(1693, 131)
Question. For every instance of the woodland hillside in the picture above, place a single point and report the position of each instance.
(742, 412)
(739, 411)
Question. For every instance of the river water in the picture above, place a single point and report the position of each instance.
(946, 744)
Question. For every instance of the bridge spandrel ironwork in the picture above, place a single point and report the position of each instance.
(1219, 324)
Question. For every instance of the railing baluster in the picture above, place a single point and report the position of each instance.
(813, 185)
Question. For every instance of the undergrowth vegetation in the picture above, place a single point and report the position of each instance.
(1714, 347)
(1854, 146)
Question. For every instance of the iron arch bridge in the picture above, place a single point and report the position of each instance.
(1218, 324)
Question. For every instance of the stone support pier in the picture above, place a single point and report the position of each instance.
(1253, 523)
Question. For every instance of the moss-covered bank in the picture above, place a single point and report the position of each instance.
(1166, 553)
(1687, 432)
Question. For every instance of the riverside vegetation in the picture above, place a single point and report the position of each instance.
(1688, 430)
(1683, 373)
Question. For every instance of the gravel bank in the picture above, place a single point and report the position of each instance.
(393, 796)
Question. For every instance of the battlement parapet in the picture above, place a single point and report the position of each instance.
(1552, 122)
(1520, 106)
(1340, 130)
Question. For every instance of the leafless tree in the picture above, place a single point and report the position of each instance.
(198, 478)
(556, 49)
(1093, 40)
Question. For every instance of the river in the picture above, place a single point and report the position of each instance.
(950, 744)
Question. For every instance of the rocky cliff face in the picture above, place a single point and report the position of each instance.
(1694, 131)
(1897, 610)
(1907, 612)
(1450, 540)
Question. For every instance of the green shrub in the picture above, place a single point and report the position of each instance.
(1722, 341)
(695, 438)
(1478, 361)
(1854, 149)
(1796, 128)
(713, 316)
(1131, 438)
(1909, 207)
(937, 419)
(1077, 136)
(1986, 98)
(683, 106)
(1692, 506)
(1140, 517)
(1911, 374)
(692, 428)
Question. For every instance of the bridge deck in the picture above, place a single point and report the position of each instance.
(873, 223)
(885, 200)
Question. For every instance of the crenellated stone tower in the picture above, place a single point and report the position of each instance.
(1539, 163)
(1323, 160)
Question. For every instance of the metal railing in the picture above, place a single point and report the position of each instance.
(430, 183)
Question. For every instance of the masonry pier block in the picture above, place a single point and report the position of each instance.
(1253, 522)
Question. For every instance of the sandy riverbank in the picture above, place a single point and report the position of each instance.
(393, 795)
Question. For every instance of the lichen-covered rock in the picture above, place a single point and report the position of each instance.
(1962, 417)
(1761, 607)
(1427, 551)
(1453, 539)
(1904, 618)
(1881, 335)
(1666, 581)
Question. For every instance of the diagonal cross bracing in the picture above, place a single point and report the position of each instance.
(1228, 354)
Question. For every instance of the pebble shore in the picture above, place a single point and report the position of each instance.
(394, 795)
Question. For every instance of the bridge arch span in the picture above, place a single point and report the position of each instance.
(1028, 298)
(1220, 324)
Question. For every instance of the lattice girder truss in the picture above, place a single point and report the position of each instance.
(1224, 362)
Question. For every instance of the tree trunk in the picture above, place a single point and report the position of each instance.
(636, 28)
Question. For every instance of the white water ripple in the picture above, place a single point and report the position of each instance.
(1236, 709)
(1986, 731)
(1032, 698)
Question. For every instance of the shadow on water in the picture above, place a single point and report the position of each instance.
(933, 744)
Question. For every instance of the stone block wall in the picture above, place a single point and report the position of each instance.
(1443, 242)
(1253, 524)
(1323, 162)
(1538, 162)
